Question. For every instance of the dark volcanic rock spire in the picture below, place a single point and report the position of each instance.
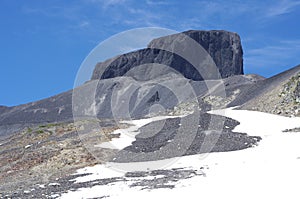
(224, 48)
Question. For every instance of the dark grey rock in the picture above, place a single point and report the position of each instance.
(224, 48)
(3, 109)
(297, 91)
(214, 134)
(292, 130)
(161, 179)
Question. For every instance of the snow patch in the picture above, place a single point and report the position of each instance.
(270, 170)
(256, 123)
(127, 136)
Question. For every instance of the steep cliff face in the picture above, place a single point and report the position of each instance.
(224, 48)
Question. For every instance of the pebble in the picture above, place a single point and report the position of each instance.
(42, 186)
(54, 184)
(54, 196)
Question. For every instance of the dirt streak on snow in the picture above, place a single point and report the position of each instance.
(270, 170)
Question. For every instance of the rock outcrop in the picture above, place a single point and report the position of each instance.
(289, 98)
(3, 109)
(171, 51)
(277, 95)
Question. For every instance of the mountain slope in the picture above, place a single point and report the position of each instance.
(59, 108)
(271, 95)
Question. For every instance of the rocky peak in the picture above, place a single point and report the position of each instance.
(3, 108)
(224, 48)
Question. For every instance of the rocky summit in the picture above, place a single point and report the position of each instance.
(177, 52)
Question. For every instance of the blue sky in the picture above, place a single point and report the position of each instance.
(43, 43)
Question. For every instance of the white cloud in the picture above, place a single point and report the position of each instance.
(282, 7)
(84, 24)
(107, 3)
(143, 17)
(156, 2)
(216, 14)
(273, 56)
(71, 15)
(193, 23)
(113, 2)
(289, 47)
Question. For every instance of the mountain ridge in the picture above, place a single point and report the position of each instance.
(224, 48)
